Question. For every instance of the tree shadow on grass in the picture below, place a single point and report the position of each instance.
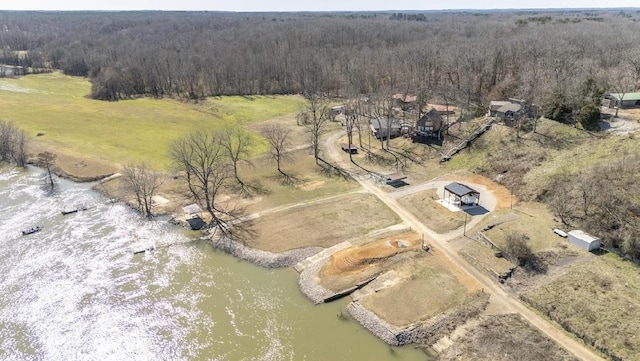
(330, 169)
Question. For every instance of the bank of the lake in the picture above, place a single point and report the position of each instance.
(75, 290)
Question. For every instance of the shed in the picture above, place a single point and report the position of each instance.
(192, 209)
(196, 223)
(460, 194)
(583, 240)
(622, 100)
(395, 178)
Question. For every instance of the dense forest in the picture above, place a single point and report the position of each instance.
(468, 58)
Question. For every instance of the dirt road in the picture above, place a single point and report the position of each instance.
(440, 244)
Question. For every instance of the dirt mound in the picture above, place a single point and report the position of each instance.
(500, 192)
(356, 259)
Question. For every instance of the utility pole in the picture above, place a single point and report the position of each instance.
(464, 230)
(511, 198)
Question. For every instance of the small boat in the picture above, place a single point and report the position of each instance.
(140, 251)
(31, 230)
(71, 211)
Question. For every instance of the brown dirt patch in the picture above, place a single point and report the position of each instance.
(357, 264)
(500, 192)
(355, 259)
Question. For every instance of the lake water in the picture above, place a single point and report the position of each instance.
(76, 291)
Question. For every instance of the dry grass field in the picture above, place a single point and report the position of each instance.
(308, 181)
(504, 338)
(323, 223)
(483, 258)
(423, 205)
(431, 285)
(597, 301)
(532, 219)
(414, 159)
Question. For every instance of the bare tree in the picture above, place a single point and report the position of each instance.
(351, 123)
(202, 160)
(623, 81)
(383, 109)
(314, 119)
(237, 143)
(278, 137)
(13, 143)
(144, 184)
(20, 148)
(47, 160)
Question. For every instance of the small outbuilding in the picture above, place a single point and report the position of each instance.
(461, 195)
(395, 178)
(621, 100)
(193, 217)
(583, 240)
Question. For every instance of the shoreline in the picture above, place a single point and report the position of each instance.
(424, 332)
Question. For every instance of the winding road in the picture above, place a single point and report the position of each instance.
(506, 301)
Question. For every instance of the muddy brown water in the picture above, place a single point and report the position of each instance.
(77, 291)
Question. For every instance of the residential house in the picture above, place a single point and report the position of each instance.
(383, 128)
(494, 105)
(405, 102)
(10, 70)
(430, 125)
(509, 112)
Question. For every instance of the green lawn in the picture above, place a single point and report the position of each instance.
(124, 131)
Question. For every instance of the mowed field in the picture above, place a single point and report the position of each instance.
(124, 131)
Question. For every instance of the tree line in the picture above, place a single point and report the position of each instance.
(468, 58)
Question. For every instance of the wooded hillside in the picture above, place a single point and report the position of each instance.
(467, 57)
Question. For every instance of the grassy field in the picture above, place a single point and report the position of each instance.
(310, 182)
(324, 223)
(124, 131)
(505, 338)
(432, 287)
(598, 301)
(424, 207)
(532, 219)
